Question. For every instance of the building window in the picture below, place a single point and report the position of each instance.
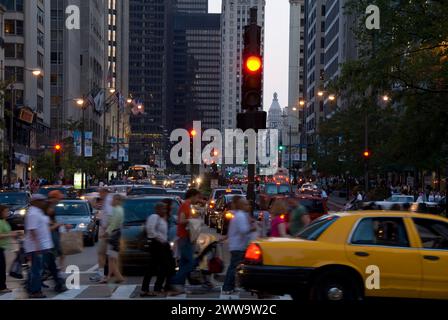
(15, 73)
(14, 5)
(40, 104)
(40, 16)
(40, 38)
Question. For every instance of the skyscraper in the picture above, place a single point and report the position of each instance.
(296, 92)
(340, 46)
(149, 30)
(196, 70)
(235, 16)
(27, 25)
(314, 68)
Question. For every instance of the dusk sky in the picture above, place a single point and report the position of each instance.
(276, 49)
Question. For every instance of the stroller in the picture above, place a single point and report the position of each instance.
(207, 261)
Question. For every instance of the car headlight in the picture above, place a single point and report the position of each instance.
(82, 225)
(20, 212)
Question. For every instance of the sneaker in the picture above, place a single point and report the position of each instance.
(6, 290)
(229, 293)
(37, 295)
(60, 289)
(96, 278)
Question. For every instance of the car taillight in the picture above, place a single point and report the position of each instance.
(253, 253)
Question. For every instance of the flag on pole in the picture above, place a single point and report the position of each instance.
(90, 101)
(99, 101)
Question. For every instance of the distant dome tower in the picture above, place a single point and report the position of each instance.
(275, 114)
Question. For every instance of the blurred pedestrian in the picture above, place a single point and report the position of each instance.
(184, 243)
(157, 234)
(37, 243)
(104, 207)
(54, 197)
(279, 211)
(5, 236)
(113, 234)
(240, 230)
(299, 218)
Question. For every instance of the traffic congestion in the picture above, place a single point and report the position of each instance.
(295, 241)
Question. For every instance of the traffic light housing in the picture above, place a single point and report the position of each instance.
(252, 69)
(57, 156)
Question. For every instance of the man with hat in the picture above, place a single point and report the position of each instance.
(37, 243)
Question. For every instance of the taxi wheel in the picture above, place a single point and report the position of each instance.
(335, 286)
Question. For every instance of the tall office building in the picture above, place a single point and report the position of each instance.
(65, 71)
(296, 92)
(314, 67)
(27, 25)
(116, 120)
(192, 6)
(196, 71)
(3, 137)
(234, 17)
(149, 47)
(340, 46)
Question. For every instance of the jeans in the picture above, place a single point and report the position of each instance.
(35, 275)
(236, 258)
(50, 264)
(186, 262)
(2, 269)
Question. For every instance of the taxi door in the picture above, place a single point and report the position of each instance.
(433, 235)
(382, 245)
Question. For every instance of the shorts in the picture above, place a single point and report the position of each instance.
(102, 246)
(111, 252)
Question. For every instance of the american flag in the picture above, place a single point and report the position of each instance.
(90, 100)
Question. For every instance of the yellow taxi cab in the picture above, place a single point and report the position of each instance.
(350, 256)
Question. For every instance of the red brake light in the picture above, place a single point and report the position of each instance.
(253, 253)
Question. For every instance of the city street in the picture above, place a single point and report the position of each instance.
(86, 261)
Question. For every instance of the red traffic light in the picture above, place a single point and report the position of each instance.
(193, 133)
(58, 147)
(366, 154)
(253, 63)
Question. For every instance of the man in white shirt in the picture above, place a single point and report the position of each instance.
(37, 242)
(239, 235)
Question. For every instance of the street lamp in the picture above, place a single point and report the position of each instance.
(331, 97)
(385, 98)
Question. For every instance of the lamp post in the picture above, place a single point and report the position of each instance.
(36, 73)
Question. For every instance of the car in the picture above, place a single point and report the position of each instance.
(180, 193)
(80, 215)
(137, 209)
(144, 190)
(68, 191)
(222, 214)
(18, 203)
(316, 206)
(214, 196)
(400, 198)
(333, 258)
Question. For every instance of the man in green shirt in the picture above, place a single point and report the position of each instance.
(5, 235)
(298, 220)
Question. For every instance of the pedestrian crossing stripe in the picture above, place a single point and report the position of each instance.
(126, 292)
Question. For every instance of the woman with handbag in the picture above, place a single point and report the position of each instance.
(113, 234)
(157, 233)
(5, 235)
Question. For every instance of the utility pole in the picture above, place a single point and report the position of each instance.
(83, 129)
(11, 136)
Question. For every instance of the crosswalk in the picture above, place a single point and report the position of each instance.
(132, 292)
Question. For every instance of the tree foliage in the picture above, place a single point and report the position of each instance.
(407, 60)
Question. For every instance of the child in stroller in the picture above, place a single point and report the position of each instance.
(207, 261)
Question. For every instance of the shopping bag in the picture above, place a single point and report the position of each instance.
(71, 243)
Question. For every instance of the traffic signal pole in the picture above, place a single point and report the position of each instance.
(252, 91)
